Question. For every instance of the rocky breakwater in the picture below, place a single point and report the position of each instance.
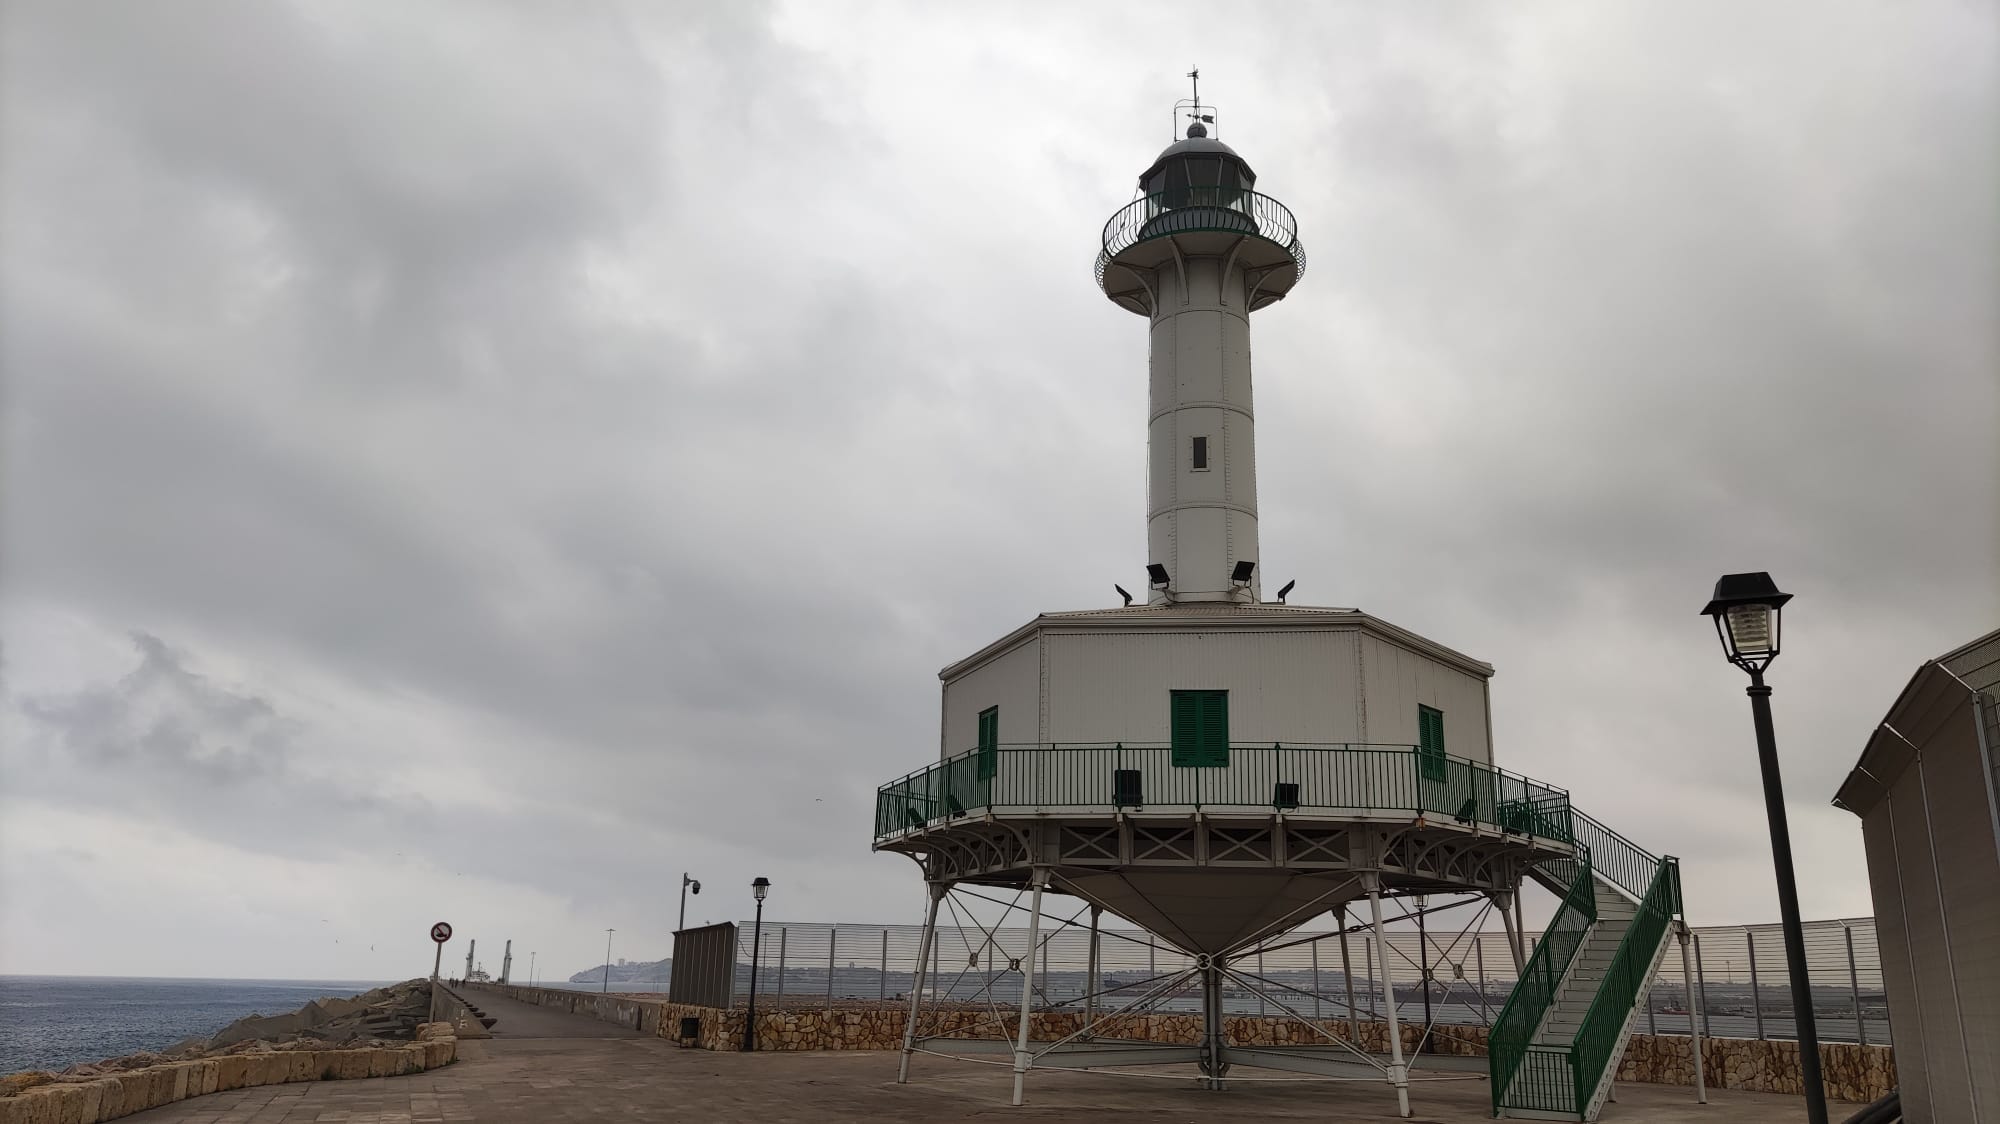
(381, 1033)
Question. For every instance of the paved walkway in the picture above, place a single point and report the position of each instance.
(546, 1067)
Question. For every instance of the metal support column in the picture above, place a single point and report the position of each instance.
(882, 990)
(1694, 1021)
(1756, 995)
(1347, 973)
(1512, 924)
(1214, 1044)
(1854, 986)
(779, 999)
(1399, 1074)
(832, 946)
(1479, 957)
(1318, 1012)
(1090, 985)
(1701, 984)
(937, 892)
(1039, 879)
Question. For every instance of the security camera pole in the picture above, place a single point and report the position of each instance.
(686, 884)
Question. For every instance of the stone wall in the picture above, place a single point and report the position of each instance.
(110, 1097)
(1852, 1073)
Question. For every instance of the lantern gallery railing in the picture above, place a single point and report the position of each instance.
(1304, 778)
(1188, 210)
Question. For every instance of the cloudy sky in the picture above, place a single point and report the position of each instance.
(480, 460)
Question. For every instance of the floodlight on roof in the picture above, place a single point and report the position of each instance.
(1241, 574)
(1157, 574)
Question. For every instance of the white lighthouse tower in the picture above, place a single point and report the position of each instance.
(1221, 770)
(1196, 253)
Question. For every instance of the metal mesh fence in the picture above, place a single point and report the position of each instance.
(1740, 983)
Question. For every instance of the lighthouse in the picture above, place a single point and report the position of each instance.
(1222, 771)
(1196, 253)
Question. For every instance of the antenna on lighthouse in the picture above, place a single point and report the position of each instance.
(1194, 110)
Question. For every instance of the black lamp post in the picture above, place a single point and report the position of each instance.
(760, 886)
(1747, 609)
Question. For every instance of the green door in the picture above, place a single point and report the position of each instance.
(1430, 743)
(1201, 729)
(989, 742)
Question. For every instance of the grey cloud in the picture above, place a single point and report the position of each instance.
(671, 391)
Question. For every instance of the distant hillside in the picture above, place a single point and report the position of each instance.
(649, 974)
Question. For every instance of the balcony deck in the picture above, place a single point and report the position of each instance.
(1303, 780)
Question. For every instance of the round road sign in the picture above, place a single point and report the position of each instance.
(441, 932)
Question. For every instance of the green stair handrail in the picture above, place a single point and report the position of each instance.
(1615, 858)
(1602, 1025)
(1508, 1044)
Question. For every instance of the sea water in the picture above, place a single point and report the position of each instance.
(49, 1022)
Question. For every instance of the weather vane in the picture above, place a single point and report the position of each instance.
(1195, 113)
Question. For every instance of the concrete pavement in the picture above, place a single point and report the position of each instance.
(548, 1067)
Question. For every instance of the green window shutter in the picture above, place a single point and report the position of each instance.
(1187, 728)
(1430, 744)
(1200, 728)
(1215, 728)
(989, 743)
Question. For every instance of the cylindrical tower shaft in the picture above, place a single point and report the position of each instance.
(1196, 253)
(1201, 518)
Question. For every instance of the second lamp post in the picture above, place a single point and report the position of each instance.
(760, 887)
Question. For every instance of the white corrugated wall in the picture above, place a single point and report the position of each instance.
(1292, 686)
(1396, 681)
(1011, 681)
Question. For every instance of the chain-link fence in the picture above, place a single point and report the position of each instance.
(1740, 981)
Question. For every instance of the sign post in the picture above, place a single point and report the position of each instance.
(440, 933)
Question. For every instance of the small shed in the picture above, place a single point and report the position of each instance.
(1927, 789)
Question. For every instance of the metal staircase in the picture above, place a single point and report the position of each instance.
(1555, 1046)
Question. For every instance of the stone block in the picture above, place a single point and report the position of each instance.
(232, 1071)
(354, 1064)
(110, 1098)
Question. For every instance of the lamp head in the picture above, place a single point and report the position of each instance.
(1156, 574)
(695, 885)
(760, 886)
(1747, 609)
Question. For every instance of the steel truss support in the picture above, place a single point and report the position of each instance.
(937, 892)
(1510, 921)
(1022, 1059)
(1399, 1074)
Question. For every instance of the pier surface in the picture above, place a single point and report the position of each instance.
(548, 1067)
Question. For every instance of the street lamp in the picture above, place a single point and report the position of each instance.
(531, 969)
(607, 958)
(760, 887)
(1747, 608)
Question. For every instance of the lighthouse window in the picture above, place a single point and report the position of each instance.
(1200, 728)
(1201, 454)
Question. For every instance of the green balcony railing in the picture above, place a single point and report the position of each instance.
(1123, 776)
(1524, 1075)
(1196, 208)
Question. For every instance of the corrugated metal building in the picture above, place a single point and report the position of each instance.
(1927, 789)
